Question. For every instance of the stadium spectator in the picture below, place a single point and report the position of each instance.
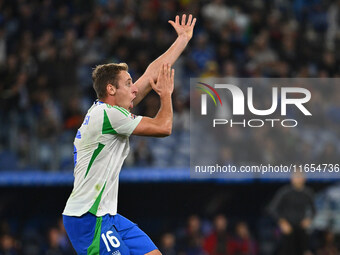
(168, 244)
(217, 243)
(8, 245)
(64, 243)
(201, 54)
(142, 154)
(242, 243)
(73, 116)
(190, 242)
(53, 242)
(329, 155)
(217, 13)
(181, 114)
(330, 245)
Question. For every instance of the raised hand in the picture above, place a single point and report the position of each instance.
(165, 81)
(186, 28)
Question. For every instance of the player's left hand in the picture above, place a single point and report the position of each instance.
(186, 28)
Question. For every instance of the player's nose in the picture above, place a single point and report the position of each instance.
(134, 89)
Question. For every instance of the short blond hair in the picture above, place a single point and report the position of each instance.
(106, 74)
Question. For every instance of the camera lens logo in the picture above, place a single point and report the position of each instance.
(202, 87)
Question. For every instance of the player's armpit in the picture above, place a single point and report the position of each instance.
(152, 127)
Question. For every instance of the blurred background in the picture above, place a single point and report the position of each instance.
(47, 51)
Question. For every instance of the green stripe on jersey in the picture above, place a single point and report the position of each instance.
(122, 110)
(95, 245)
(95, 205)
(127, 112)
(94, 155)
(107, 128)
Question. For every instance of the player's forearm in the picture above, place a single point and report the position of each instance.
(170, 56)
(159, 126)
(164, 116)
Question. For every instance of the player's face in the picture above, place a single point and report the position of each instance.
(298, 180)
(126, 91)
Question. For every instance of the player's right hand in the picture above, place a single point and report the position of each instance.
(165, 81)
(186, 28)
(285, 226)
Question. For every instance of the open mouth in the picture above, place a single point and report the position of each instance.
(131, 104)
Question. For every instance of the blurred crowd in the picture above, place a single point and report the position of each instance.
(48, 49)
(198, 236)
(291, 221)
(220, 236)
(48, 240)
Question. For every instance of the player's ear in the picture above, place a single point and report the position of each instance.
(110, 89)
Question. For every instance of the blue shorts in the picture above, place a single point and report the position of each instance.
(114, 235)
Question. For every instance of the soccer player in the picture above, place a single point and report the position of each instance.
(102, 143)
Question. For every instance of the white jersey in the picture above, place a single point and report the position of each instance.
(100, 148)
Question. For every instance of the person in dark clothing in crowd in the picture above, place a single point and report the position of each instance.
(191, 241)
(293, 208)
(168, 244)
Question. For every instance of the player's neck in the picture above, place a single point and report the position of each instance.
(108, 100)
